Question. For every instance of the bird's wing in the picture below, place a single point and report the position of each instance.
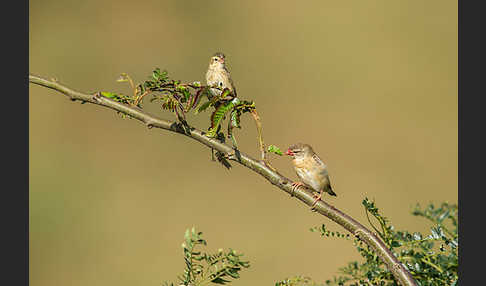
(322, 167)
(228, 76)
(325, 174)
(318, 160)
(306, 178)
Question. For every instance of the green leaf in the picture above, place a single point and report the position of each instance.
(274, 149)
(123, 78)
(443, 216)
(436, 232)
(203, 106)
(225, 93)
(220, 280)
(218, 115)
(109, 94)
(156, 73)
(235, 118)
(395, 243)
(187, 237)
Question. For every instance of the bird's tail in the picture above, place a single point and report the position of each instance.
(331, 192)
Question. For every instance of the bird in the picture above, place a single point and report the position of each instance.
(310, 169)
(218, 75)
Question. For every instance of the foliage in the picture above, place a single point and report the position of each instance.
(205, 268)
(431, 259)
(117, 97)
(174, 96)
(274, 149)
(297, 281)
(234, 107)
(180, 98)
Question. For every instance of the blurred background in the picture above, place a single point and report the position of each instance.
(372, 86)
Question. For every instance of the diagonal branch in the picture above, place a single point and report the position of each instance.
(400, 273)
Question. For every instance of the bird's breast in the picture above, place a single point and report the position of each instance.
(218, 77)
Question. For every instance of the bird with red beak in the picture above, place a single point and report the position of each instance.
(310, 169)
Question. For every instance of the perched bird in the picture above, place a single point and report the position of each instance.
(310, 169)
(218, 75)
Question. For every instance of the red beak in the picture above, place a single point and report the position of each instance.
(289, 152)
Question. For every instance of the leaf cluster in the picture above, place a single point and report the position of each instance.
(203, 268)
(274, 149)
(180, 98)
(431, 259)
(235, 108)
(174, 96)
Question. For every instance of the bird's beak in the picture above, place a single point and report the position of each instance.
(289, 152)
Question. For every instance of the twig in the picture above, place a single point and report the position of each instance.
(137, 101)
(372, 225)
(260, 135)
(401, 274)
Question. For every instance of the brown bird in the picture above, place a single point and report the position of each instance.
(218, 75)
(310, 169)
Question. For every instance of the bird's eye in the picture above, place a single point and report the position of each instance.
(215, 59)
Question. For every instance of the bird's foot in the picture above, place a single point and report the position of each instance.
(317, 198)
(295, 186)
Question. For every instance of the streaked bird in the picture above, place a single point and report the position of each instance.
(218, 75)
(310, 169)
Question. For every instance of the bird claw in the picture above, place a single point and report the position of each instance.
(295, 186)
(317, 198)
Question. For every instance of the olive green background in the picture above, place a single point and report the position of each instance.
(371, 85)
